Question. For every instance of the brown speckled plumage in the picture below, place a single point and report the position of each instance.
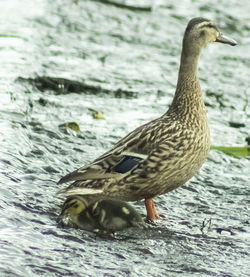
(167, 151)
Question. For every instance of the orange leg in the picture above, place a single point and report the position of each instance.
(150, 207)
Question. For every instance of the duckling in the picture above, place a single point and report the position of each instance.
(75, 213)
(107, 214)
(163, 154)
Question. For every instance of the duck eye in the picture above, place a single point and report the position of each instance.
(210, 25)
(75, 205)
(202, 33)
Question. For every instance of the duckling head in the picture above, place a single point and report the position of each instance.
(71, 209)
(201, 31)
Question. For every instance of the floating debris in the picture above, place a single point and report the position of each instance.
(64, 86)
(222, 231)
(206, 226)
(42, 101)
(68, 127)
(127, 6)
(236, 124)
(98, 115)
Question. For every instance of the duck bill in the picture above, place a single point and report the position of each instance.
(223, 39)
(59, 219)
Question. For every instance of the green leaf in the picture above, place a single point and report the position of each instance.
(236, 151)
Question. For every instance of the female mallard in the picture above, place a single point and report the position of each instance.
(163, 154)
(109, 215)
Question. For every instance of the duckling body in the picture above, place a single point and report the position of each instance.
(108, 214)
(163, 154)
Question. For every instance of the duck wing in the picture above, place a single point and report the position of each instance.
(129, 154)
(110, 166)
(92, 178)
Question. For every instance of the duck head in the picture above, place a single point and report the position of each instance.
(201, 31)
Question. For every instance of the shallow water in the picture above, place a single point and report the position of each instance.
(128, 61)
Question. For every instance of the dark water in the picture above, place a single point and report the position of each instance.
(133, 55)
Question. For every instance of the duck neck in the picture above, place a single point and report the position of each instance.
(188, 96)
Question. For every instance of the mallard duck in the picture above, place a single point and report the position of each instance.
(163, 154)
(108, 215)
